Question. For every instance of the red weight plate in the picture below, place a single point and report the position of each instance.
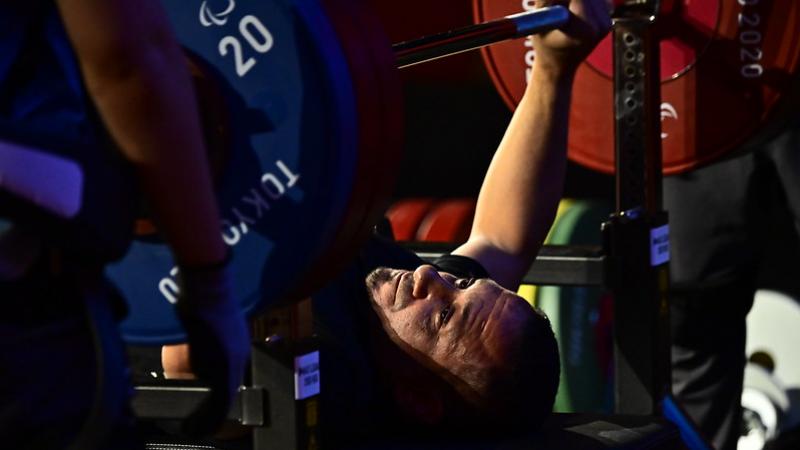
(406, 215)
(365, 89)
(390, 117)
(725, 65)
(449, 221)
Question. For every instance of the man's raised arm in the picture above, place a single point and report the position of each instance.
(523, 185)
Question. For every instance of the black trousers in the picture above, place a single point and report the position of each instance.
(724, 220)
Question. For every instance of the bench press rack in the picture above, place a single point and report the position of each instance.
(632, 262)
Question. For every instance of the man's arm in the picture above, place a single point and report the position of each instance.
(137, 77)
(523, 185)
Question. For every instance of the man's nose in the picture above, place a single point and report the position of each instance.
(427, 281)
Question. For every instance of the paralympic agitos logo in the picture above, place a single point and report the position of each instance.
(667, 112)
(209, 18)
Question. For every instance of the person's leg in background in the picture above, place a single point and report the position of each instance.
(708, 358)
(784, 151)
(713, 270)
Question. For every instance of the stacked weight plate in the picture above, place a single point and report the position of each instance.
(576, 314)
(379, 109)
(725, 67)
(307, 110)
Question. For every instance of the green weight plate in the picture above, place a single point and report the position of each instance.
(574, 313)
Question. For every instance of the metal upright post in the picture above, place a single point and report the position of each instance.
(286, 366)
(280, 372)
(636, 236)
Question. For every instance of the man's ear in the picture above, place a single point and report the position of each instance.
(422, 403)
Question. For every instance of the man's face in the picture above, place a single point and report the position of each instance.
(454, 322)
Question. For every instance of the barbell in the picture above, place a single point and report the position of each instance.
(301, 104)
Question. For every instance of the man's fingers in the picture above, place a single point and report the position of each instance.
(595, 12)
(175, 361)
(590, 18)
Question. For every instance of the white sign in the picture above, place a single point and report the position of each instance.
(306, 376)
(659, 245)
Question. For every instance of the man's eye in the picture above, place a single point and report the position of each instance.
(444, 315)
(463, 283)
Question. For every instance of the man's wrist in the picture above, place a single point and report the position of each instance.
(551, 74)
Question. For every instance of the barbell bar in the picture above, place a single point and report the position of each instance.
(479, 35)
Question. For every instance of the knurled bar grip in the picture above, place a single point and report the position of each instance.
(479, 35)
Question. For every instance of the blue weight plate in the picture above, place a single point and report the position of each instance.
(286, 183)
